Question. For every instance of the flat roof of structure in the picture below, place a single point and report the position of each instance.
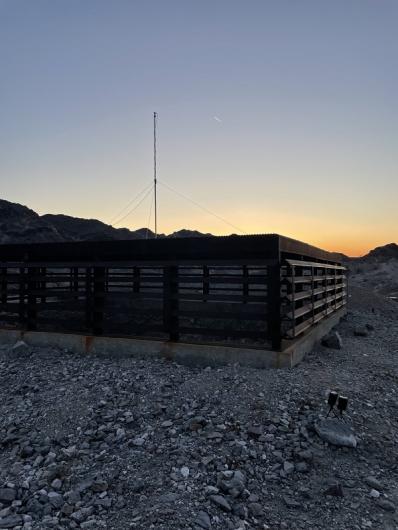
(235, 247)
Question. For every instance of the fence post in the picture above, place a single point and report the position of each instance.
(107, 279)
(98, 300)
(245, 278)
(42, 283)
(274, 304)
(74, 282)
(206, 285)
(88, 299)
(136, 279)
(21, 302)
(170, 302)
(4, 296)
(31, 320)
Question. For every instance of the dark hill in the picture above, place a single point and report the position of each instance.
(78, 229)
(383, 253)
(19, 224)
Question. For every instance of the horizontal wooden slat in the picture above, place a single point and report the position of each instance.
(77, 305)
(303, 326)
(223, 333)
(260, 317)
(138, 263)
(222, 279)
(298, 312)
(62, 324)
(307, 294)
(56, 294)
(10, 307)
(135, 330)
(220, 297)
(308, 279)
(223, 307)
(214, 290)
(314, 264)
(9, 318)
(129, 294)
(140, 279)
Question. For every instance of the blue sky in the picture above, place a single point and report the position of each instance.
(305, 143)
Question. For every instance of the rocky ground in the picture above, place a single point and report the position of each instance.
(120, 444)
(378, 276)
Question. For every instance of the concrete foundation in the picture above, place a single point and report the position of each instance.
(190, 354)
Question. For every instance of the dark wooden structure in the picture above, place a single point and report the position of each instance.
(256, 290)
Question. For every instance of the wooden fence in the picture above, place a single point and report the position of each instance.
(251, 290)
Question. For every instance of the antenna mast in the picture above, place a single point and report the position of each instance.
(155, 118)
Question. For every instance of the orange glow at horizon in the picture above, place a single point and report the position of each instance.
(343, 235)
(350, 242)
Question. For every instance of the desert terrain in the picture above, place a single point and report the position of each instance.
(133, 443)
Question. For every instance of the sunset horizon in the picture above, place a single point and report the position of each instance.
(265, 118)
(308, 236)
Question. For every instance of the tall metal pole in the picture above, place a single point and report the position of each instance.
(155, 117)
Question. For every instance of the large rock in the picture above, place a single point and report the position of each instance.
(335, 490)
(336, 432)
(7, 495)
(333, 340)
(221, 502)
(20, 348)
(56, 499)
(203, 520)
(372, 482)
(231, 482)
(11, 521)
(361, 331)
(387, 505)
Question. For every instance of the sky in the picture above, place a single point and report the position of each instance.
(273, 115)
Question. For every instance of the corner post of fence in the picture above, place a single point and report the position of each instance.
(98, 300)
(274, 304)
(170, 302)
(312, 294)
(325, 293)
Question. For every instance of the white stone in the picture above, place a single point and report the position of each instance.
(375, 494)
(184, 471)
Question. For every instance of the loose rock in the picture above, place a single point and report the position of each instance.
(336, 432)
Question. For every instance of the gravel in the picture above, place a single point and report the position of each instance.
(90, 442)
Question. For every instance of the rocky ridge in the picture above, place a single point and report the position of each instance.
(19, 224)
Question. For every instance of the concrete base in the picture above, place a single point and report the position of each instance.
(190, 354)
(298, 348)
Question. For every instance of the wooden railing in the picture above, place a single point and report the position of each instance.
(310, 292)
(192, 303)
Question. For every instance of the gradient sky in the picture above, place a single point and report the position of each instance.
(280, 116)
